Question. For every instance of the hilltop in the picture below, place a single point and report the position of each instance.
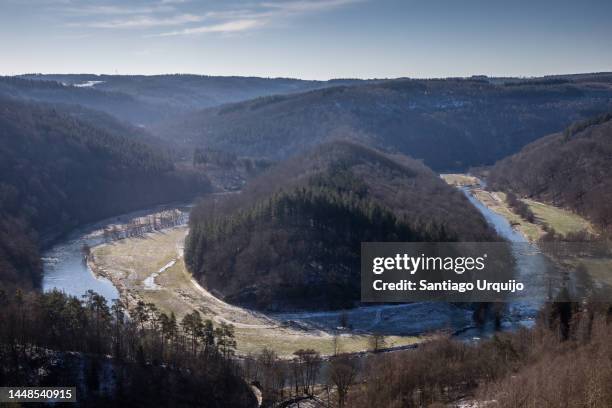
(448, 123)
(144, 100)
(291, 239)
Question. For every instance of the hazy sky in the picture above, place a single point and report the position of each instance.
(316, 39)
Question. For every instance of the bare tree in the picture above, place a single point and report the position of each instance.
(336, 344)
(272, 375)
(305, 370)
(377, 342)
(342, 373)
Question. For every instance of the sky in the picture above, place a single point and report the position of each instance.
(308, 39)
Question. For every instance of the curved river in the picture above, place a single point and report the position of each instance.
(65, 270)
(64, 266)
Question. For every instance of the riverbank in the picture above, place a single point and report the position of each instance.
(150, 268)
(63, 263)
(560, 220)
(546, 217)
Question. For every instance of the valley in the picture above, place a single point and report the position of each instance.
(569, 169)
(561, 220)
(306, 204)
(150, 268)
(263, 259)
(450, 124)
(263, 231)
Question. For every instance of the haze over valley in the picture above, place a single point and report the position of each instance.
(197, 198)
(288, 177)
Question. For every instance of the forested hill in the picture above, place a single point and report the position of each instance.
(292, 238)
(57, 172)
(571, 169)
(121, 105)
(145, 100)
(191, 92)
(450, 124)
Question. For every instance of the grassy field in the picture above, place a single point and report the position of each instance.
(562, 221)
(152, 269)
(496, 201)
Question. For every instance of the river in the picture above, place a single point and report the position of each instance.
(64, 267)
(65, 270)
(519, 313)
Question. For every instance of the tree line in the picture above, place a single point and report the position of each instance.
(305, 377)
(58, 172)
(564, 360)
(570, 169)
(153, 357)
(292, 238)
(300, 233)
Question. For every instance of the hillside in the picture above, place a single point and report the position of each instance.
(450, 124)
(291, 239)
(571, 169)
(143, 100)
(57, 172)
(121, 105)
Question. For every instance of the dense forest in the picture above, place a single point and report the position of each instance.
(449, 123)
(190, 92)
(292, 238)
(321, 166)
(144, 359)
(58, 172)
(121, 105)
(145, 100)
(569, 169)
(227, 171)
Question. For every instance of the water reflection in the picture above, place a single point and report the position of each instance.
(64, 266)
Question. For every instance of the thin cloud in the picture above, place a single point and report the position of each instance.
(236, 14)
(173, 13)
(72, 36)
(244, 19)
(109, 10)
(304, 6)
(227, 27)
(145, 22)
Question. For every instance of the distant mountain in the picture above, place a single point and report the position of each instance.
(292, 238)
(571, 169)
(450, 124)
(121, 105)
(58, 171)
(144, 99)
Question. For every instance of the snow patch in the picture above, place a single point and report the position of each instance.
(149, 282)
(88, 84)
